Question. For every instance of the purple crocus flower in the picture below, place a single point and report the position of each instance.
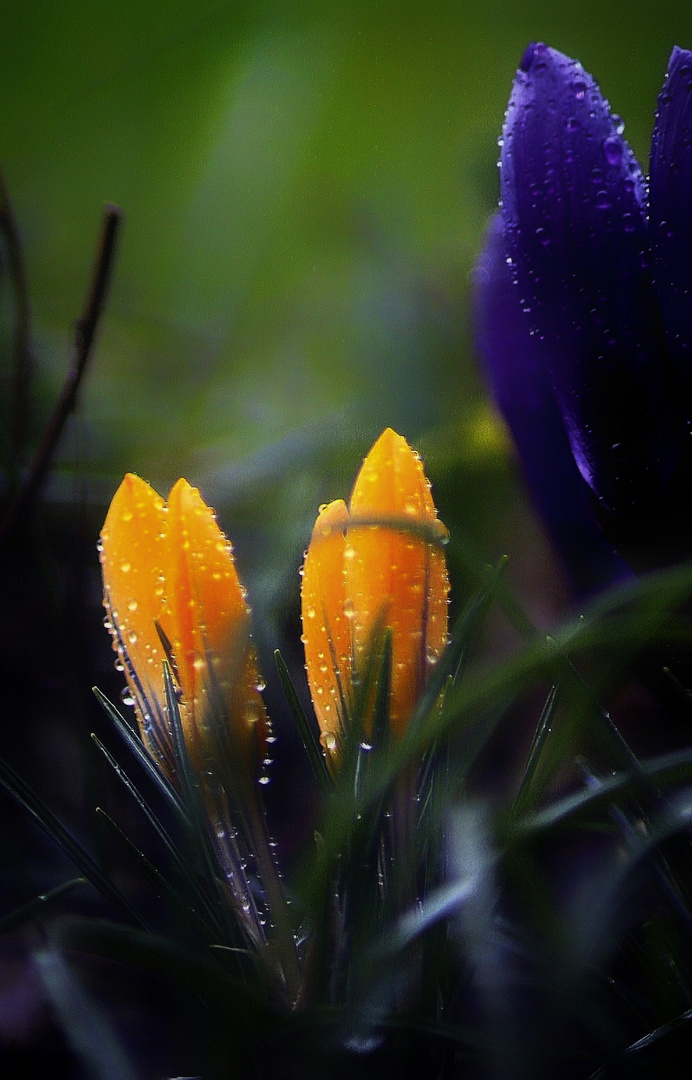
(592, 341)
(516, 372)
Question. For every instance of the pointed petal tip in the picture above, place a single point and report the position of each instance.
(533, 50)
(678, 58)
(388, 439)
(131, 499)
(183, 493)
(332, 516)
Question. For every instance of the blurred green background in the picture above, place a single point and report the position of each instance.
(305, 187)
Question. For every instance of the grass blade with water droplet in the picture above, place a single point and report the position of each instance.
(161, 886)
(142, 755)
(305, 728)
(540, 735)
(40, 905)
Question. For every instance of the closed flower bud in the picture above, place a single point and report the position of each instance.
(379, 566)
(172, 592)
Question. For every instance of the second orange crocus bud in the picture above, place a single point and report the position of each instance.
(378, 565)
(170, 580)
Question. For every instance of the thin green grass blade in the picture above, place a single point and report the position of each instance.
(265, 901)
(54, 828)
(143, 757)
(178, 859)
(578, 809)
(380, 719)
(540, 735)
(239, 924)
(665, 1031)
(40, 905)
(197, 815)
(305, 728)
(635, 828)
(142, 803)
(160, 885)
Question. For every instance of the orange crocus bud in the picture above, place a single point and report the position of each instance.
(326, 629)
(381, 565)
(171, 569)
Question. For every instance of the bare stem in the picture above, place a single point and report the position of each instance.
(66, 403)
(21, 350)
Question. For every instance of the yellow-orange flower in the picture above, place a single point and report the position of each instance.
(171, 567)
(381, 564)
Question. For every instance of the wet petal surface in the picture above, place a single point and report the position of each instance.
(326, 626)
(573, 207)
(394, 577)
(515, 367)
(671, 212)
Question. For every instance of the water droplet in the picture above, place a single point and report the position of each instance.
(612, 148)
(603, 200)
(310, 612)
(126, 696)
(328, 741)
(579, 87)
(534, 52)
(132, 637)
(132, 606)
(125, 567)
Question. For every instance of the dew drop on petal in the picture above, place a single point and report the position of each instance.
(328, 741)
(612, 148)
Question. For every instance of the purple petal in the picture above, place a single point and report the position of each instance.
(515, 368)
(671, 209)
(573, 198)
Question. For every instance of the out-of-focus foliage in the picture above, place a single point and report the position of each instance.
(305, 187)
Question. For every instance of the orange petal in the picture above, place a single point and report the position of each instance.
(208, 621)
(326, 629)
(132, 559)
(396, 576)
